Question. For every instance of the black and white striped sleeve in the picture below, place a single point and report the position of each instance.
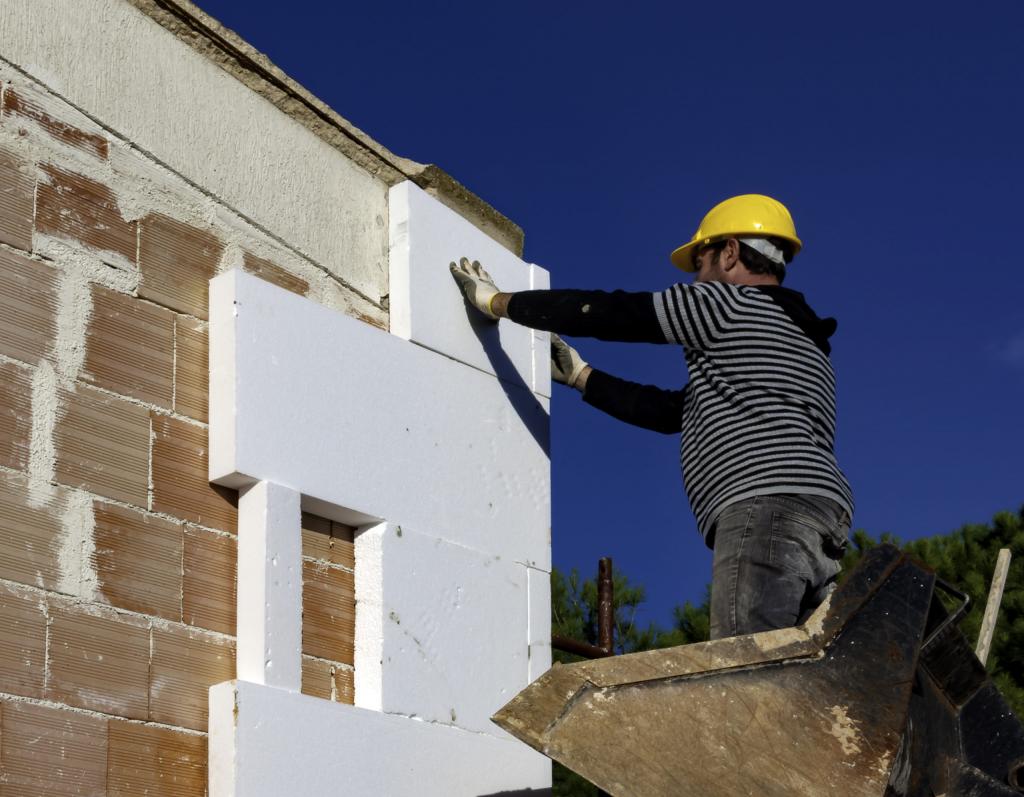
(696, 316)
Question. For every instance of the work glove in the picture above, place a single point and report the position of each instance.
(566, 363)
(476, 284)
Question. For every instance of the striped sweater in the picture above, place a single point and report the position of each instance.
(758, 414)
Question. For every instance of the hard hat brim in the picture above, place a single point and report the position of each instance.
(683, 256)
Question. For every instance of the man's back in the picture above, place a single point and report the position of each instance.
(759, 409)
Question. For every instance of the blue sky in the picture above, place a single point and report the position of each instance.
(893, 133)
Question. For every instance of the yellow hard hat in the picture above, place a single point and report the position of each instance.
(751, 215)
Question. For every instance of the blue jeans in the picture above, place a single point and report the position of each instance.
(776, 558)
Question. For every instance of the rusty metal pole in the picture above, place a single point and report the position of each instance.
(605, 606)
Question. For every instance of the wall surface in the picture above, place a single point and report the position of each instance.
(134, 167)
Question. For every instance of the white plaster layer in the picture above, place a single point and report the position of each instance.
(539, 632)
(427, 306)
(454, 637)
(42, 451)
(260, 737)
(270, 586)
(354, 417)
(269, 168)
(76, 556)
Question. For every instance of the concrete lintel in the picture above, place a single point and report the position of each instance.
(245, 63)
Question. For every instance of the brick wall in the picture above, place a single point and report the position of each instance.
(117, 558)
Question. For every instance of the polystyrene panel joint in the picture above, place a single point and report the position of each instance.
(427, 307)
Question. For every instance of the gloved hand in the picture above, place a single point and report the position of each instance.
(476, 284)
(566, 363)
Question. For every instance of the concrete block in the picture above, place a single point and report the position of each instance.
(453, 631)
(316, 743)
(380, 428)
(270, 586)
(426, 304)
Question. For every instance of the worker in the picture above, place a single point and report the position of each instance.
(757, 417)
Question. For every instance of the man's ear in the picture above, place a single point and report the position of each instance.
(729, 257)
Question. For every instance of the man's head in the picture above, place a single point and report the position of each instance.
(747, 261)
(752, 232)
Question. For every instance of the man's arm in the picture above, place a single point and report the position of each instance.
(641, 405)
(619, 315)
(616, 315)
(646, 406)
(609, 316)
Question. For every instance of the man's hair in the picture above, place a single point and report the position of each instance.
(757, 263)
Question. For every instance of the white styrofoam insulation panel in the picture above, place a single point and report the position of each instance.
(258, 734)
(425, 236)
(446, 469)
(538, 585)
(355, 418)
(269, 611)
(454, 631)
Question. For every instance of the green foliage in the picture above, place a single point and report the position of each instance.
(966, 558)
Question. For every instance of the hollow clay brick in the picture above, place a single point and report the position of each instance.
(29, 537)
(17, 196)
(98, 662)
(176, 262)
(47, 113)
(130, 347)
(327, 680)
(72, 206)
(155, 761)
(210, 572)
(328, 612)
(28, 308)
(271, 272)
(186, 663)
(191, 368)
(15, 415)
(102, 445)
(138, 561)
(327, 541)
(22, 642)
(180, 486)
(52, 751)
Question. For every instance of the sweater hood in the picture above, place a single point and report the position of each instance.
(793, 303)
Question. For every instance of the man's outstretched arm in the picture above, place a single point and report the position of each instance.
(616, 315)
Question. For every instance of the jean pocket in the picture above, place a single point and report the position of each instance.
(795, 543)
